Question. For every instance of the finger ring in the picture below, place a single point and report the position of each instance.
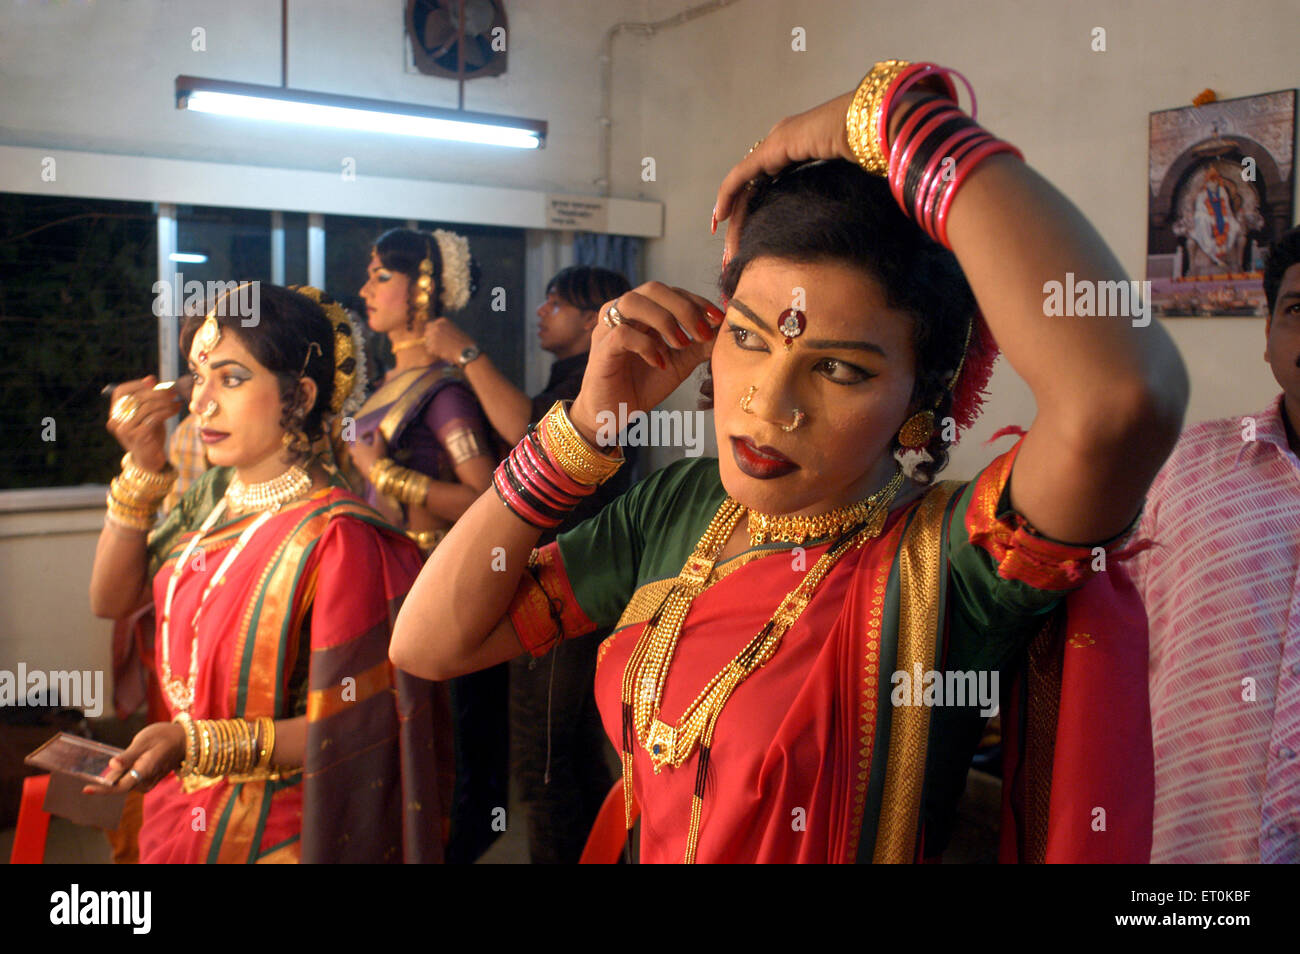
(612, 317)
(756, 144)
(124, 408)
(135, 775)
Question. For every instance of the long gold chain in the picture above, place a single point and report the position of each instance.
(646, 672)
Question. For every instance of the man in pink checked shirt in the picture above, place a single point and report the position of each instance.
(1222, 591)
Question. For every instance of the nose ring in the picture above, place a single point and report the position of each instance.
(749, 396)
(209, 410)
(798, 419)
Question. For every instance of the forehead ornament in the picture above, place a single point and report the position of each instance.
(791, 325)
(209, 336)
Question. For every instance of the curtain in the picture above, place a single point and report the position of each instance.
(622, 253)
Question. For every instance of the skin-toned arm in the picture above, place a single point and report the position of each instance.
(118, 583)
(158, 750)
(450, 501)
(1110, 395)
(454, 618)
(446, 500)
(508, 409)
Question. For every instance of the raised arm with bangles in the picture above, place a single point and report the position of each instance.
(747, 681)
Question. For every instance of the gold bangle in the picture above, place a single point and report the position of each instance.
(266, 726)
(191, 744)
(123, 515)
(160, 481)
(426, 540)
(570, 450)
(415, 486)
(205, 748)
(863, 119)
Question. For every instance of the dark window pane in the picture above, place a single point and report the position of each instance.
(237, 243)
(295, 248)
(501, 334)
(76, 278)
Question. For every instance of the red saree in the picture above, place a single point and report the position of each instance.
(299, 625)
(813, 760)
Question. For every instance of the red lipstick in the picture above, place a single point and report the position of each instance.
(761, 463)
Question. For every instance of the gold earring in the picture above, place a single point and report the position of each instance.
(917, 430)
(749, 396)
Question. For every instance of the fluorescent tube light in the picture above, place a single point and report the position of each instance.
(189, 258)
(249, 101)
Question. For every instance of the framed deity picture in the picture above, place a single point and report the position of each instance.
(1221, 179)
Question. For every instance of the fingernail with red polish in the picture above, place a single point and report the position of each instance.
(726, 257)
(713, 223)
(704, 328)
(715, 314)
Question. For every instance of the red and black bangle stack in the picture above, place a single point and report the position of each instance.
(534, 487)
(936, 148)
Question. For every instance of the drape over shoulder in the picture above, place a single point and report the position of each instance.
(300, 625)
(820, 755)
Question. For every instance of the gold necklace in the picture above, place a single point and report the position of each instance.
(781, 528)
(181, 694)
(408, 343)
(646, 671)
(293, 483)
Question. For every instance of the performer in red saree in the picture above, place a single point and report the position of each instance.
(809, 631)
(292, 737)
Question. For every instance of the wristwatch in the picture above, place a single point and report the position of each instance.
(468, 355)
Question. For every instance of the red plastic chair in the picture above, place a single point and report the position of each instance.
(609, 832)
(33, 823)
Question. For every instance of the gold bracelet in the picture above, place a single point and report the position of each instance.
(415, 486)
(426, 540)
(205, 748)
(266, 726)
(863, 119)
(401, 483)
(159, 482)
(190, 761)
(128, 517)
(570, 450)
(218, 761)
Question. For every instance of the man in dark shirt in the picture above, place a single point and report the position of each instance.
(561, 809)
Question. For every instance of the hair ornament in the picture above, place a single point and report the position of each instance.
(349, 391)
(457, 280)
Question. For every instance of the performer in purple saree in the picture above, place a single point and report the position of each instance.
(424, 452)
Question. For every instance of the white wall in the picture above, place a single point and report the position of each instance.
(711, 88)
(100, 77)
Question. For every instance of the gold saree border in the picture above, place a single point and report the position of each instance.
(413, 395)
(919, 564)
(323, 703)
(867, 700)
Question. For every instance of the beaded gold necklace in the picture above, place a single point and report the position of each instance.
(290, 485)
(785, 529)
(646, 671)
